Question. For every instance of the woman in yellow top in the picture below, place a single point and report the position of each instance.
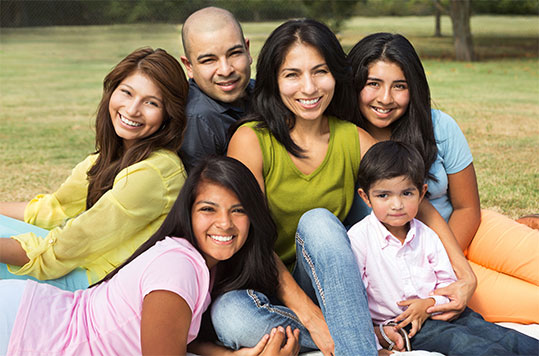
(117, 197)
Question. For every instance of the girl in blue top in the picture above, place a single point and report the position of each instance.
(394, 103)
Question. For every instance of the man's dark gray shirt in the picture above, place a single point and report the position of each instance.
(208, 122)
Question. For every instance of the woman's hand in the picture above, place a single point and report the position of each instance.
(275, 345)
(251, 351)
(416, 313)
(269, 345)
(459, 293)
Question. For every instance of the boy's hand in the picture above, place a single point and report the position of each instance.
(415, 314)
(392, 333)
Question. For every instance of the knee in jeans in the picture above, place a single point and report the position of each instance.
(320, 231)
(316, 218)
(228, 307)
(234, 318)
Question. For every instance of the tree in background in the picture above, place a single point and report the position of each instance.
(460, 12)
(19, 13)
(438, 10)
(332, 12)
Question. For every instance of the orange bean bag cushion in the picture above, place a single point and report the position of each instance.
(504, 255)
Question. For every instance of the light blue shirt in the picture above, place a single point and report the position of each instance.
(453, 156)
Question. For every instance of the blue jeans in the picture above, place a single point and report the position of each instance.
(470, 334)
(76, 279)
(326, 270)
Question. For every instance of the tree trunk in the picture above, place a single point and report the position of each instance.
(462, 35)
(437, 19)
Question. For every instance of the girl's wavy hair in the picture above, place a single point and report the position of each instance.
(267, 106)
(415, 126)
(167, 74)
(253, 266)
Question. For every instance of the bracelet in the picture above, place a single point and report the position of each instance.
(383, 333)
(389, 341)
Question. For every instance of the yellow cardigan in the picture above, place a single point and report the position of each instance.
(101, 238)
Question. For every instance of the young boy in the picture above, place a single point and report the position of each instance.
(402, 261)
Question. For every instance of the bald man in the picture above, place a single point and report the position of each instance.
(218, 64)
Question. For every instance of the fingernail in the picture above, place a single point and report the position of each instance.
(273, 331)
(281, 329)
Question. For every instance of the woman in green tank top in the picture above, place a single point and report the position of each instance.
(305, 153)
(303, 149)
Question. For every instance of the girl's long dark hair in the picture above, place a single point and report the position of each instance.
(415, 126)
(167, 74)
(253, 266)
(267, 106)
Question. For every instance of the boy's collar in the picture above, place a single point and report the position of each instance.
(387, 236)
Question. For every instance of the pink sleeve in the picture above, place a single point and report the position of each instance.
(174, 271)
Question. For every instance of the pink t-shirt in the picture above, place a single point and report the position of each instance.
(105, 320)
(392, 271)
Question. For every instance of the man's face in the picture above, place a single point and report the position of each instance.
(219, 62)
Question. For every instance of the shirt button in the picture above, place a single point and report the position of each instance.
(51, 241)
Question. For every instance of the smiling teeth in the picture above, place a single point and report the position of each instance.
(309, 102)
(222, 238)
(129, 122)
(381, 111)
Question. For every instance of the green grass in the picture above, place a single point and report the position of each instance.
(50, 85)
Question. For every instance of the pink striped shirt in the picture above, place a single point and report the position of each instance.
(392, 271)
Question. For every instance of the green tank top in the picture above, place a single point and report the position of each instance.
(291, 193)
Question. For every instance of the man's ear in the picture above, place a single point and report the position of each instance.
(247, 44)
(364, 196)
(188, 66)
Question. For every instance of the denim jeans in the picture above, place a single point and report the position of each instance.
(76, 279)
(326, 270)
(470, 334)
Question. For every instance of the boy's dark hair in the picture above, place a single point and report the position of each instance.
(390, 159)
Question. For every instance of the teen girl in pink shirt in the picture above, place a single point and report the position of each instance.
(219, 232)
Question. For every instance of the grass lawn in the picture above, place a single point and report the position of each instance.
(50, 85)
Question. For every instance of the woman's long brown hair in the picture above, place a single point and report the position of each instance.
(167, 74)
